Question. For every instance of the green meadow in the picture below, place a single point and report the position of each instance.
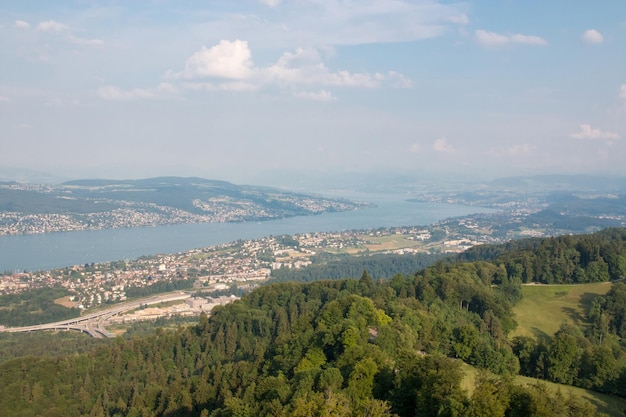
(608, 404)
(540, 313)
(544, 308)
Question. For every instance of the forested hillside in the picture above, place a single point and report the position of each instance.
(346, 348)
(564, 259)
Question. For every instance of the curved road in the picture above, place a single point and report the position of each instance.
(93, 323)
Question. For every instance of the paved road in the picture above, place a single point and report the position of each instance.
(94, 323)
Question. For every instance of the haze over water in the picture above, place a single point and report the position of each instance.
(58, 250)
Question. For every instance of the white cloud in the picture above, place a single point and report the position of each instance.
(415, 148)
(622, 92)
(318, 74)
(399, 80)
(270, 3)
(21, 24)
(587, 132)
(52, 26)
(528, 40)
(82, 41)
(339, 22)
(225, 60)
(459, 19)
(492, 39)
(228, 66)
(592, 36)
(116, 93)
(322, 95)
(239, 86)
(442, 145)
(515, 150)
(4, 99)
(304, 66)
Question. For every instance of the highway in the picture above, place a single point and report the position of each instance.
(94, 323)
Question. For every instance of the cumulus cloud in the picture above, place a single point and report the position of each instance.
(21, 24)
(442, 145)
(228, 66)
(493, 39)
(232, 60)
(588, 132)
(225, 60)
(592, 36)
(322, 95)
(304, 66)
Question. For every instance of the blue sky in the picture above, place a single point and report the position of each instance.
(236, 90)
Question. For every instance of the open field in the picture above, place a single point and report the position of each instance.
(65, 302)
(544, 308)
(390, 242)
(609, 404)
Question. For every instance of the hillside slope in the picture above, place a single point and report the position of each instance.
(101, 204)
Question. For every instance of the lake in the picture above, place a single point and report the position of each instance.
(58, 250)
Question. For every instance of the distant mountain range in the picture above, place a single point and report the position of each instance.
(101, 203)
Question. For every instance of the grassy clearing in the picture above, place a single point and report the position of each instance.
(65, 302)
(469, 379)
(611, 405)
(390, 242)
(544, 308)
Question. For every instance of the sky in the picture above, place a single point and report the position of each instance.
(242, 90)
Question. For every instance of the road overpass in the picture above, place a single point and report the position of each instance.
(94, 323)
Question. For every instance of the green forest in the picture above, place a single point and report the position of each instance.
(357, 347)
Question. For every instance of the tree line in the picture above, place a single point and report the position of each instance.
(566, 259)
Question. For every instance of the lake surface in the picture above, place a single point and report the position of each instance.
(58, 250)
